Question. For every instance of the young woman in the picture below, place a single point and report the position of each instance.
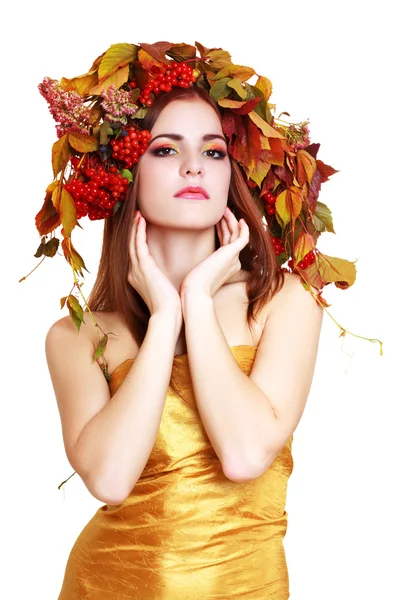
(211, 349)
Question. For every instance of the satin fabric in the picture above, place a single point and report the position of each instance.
(186, 531)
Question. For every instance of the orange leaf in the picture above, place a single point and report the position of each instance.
(148, 61)
(288, 204)
(240, 108)
(325, 170)
(68, 212)
(275, 155)
(81, 84)
(60, 153)
(48, 217)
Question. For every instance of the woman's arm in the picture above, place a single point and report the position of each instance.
(250, 418)
(108, 440)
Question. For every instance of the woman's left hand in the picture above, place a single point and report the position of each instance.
(211, 273)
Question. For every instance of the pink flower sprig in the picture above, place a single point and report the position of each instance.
(118, 105)
(67, 108)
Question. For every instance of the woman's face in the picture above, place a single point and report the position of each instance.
(187, 149)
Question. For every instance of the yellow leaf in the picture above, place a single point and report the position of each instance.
(83, 143)
(306, 167)
(237, 86)
(72, 256)
(118, 78)
(265, 85)
(68, 212)
(288, 204)
(305, 243)
(267, 129)
(257, 172)
(60, 154)
(339, 271)
(236, 71)
(56, 196)
(80, 84)
(117, 56)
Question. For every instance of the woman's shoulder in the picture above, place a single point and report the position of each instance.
(93, 324)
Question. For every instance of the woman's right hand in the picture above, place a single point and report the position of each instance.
(147, 278)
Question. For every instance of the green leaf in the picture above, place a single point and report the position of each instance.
(141, 113)
(60, 153)
(127, 174)
(323, 218)
(220, 89)
(75, 310)
(100, 347)
(105, 131)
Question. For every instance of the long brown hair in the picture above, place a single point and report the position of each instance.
(112, 291)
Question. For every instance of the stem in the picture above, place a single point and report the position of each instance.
(61, 484)
(23, 278)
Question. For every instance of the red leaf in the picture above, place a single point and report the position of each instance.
(325, 170)
(241, 108)
(48, 217)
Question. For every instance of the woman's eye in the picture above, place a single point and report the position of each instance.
(214, 153)
(165, 151)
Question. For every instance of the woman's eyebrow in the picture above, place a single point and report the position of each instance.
(178, 138)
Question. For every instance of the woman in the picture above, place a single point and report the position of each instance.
(211, 349)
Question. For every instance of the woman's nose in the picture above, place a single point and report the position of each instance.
(192, 166)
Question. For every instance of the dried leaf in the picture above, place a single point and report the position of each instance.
(180, 52)
(50, 249)
(240, 108)
(63, 301)
(60, 154)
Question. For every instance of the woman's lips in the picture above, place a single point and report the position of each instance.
(192, 193)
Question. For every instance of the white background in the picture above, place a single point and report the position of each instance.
(334, 63)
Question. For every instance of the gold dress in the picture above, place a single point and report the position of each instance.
(186, 532)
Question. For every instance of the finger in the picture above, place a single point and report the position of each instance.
(141, 244)
(244, 232)
(232, 224)
(226, 234)
(132, 242)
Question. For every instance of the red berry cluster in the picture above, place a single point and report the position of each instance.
(167, 76)
(278, 245)
(130, 145)
(269, 200)
(94, 190)
(305, 262)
